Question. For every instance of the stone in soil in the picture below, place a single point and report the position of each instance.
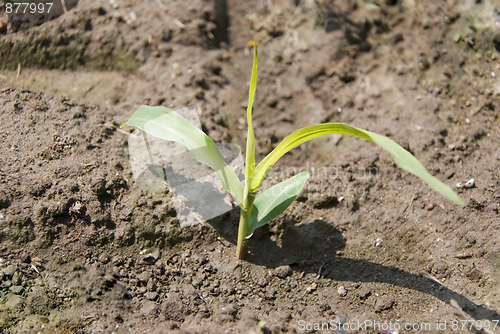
(282, 271)
(151, 295)
(14, 301)
(342, 291)
(144, 277)
(384, 303)
(9, 271)
(17, 289)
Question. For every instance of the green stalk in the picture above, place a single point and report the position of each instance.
(246, 211)
(248, 198)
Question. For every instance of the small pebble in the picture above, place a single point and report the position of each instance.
(104, 258)
(227, 289)
(311, 288)
(17, 289)
(17, 278)
(151, 295)
(144, 276)
(151, 257)
(423, 63)
(430, 206)
(9, 271)
(470, 184)
(364, 292)
(262, 282)
(282, 271)
(342, 291)
(151, 285)
(384, 303)
(13, 301)
(196, 282)
(229, 309)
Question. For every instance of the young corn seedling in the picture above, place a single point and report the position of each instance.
(259, 209)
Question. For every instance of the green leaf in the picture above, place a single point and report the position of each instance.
(250, 151)
(159, 172)
(169, 125)
(402, 157)
(273, 201)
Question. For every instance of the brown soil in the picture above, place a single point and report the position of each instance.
(84, 250)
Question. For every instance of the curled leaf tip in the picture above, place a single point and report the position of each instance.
(251, 44)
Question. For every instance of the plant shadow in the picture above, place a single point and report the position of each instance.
(316, 248)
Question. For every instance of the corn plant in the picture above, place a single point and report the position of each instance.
(259, 209)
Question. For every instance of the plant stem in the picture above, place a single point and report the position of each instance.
(246, 211)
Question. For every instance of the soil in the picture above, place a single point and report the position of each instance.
(84, 250)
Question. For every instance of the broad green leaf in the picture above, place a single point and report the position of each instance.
(402, 157)
(167, 124)
(273, 201)
(250, 151)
